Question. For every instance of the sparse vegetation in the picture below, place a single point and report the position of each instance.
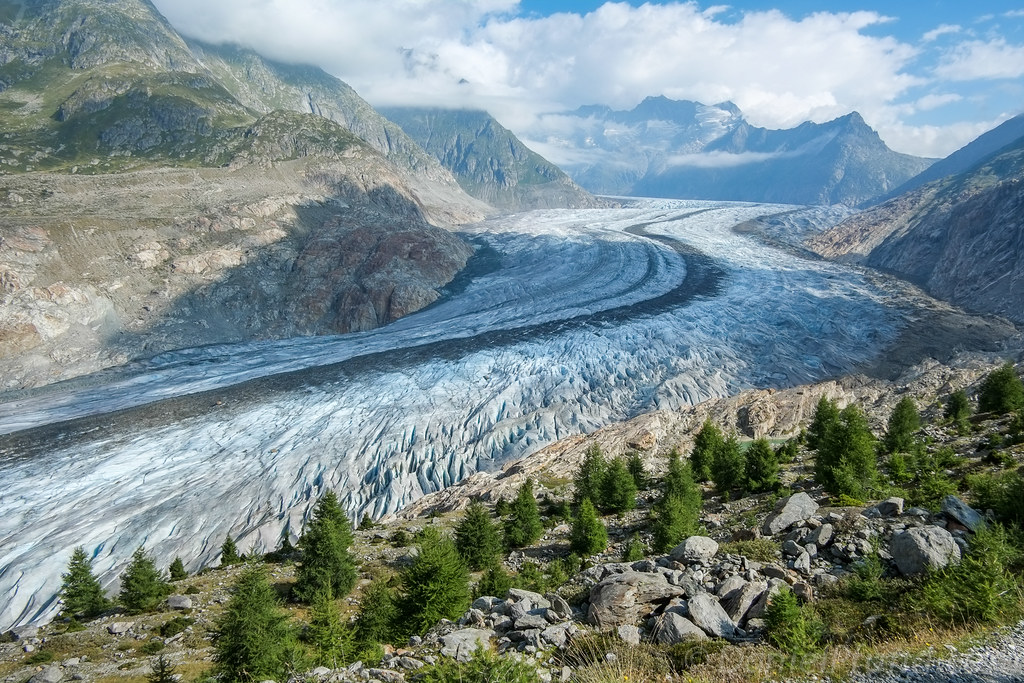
(1001, 391)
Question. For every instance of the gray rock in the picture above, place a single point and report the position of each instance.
(623, 598)
(731, 585)
(916, 550)
(774, 572)
(804, 591)
(707, 613)
(485, 603)
(890, 507)
(179, 602)
(788, 511)
(531, 620)
(461, 644)
(321, 671)
(760, 605)
(672, 628)
(792, 548)
(520, 609)
(738, 603)
(628, 634)
(558, 634)
(956, 509)
(120, 627)
(802, 564)
(821, 536)
(559, 606)
(387, 675)
(50, 674)
(473, 617)
(409, 664)
(20, 633)
(695, 549)
(538, 600)
(28, 647)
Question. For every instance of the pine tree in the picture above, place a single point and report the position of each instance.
(162, 671)
(618, 490)
(495, 582)
(1001, 391)
(366, 522)
(675, 515)
(81, 593)
(846, 463)
(903, 422)
(229, 553)
(588, 480)
(728, 467)
(477, 537)
(378, 614)
(331, 640)
(958, 409)
(708, 442)
(252, 637)
(523, 525)
(635, 463)
(826, 416)
(588, 535)
(327, 563)
(177, 570)
(435, 586)
(762, 467)
(142, 585)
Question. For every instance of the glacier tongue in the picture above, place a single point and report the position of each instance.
(586, 321)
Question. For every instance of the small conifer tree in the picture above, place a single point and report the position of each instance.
(618, 489)
(331, 640)
(162, 671)
(846, 463)
(142, 585)
(495, 582)
(81, 593)
(958, 410)
(707, 443)
(588, 480)
(588, 535)
(762, 467)
(477, 537)
(435, 586)
(826, 416)
(523, 525)
(327, 563)
(675, 515)
(903, 422)
(378, 614)
(366, 522)
(177, 570)
(229, 552)
(252, 638)
(1001, 391)
(635, 463)
(728, 469)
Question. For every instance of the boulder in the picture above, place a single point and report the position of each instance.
(916, 550)
(821, 536)
(49, 674)
(957, 510)
(536, 599)
(628, 634)
(788, 511)
(694, 549)
(558, 634)
(179, 602)
(120, 627)
(532, 620)
(890, 507)
(624, 598)
(739, 602)
(485, 603)
(707, 613)
(461, 644)
(672, 628)
(559, 606)
(730, 586)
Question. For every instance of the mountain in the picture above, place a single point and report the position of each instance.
(688, 150)
(157, 193)
(960, 238)
(488, 160)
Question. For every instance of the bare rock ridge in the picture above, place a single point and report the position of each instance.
(157, 194)
(961, 238)
(489, 162)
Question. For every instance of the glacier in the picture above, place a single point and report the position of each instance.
(586, 317)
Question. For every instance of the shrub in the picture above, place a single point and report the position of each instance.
(758, 549)
(786, 453)
(483, 667)
(477, 537)
(531, 578)
(635, 550)
(588, 535)
(788, 627)
(523, 525)
(366, 522)
(958, 410)
(1002, 492)
(588, 480)
(690, 653)
(846, 461)
(435, 586)
(142, 585)
(762, 468)
(1001, 391)
(495, 582)
(42, 656)
(251, 638)
(399, 539)
(728, 468)
(174, 626)
(635, 464)
(378, 613)
(177, 570)
(151, 647)
(80, 592)
(229, 553)
(675, 515)
(327, 565)
(706, 444)
(618, 489)
(866, 583)
(331, 641)
(903, 423)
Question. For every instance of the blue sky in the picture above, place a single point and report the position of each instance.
(928, 75)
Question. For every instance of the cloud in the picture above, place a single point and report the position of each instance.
(977, 60)
(942, 30)
(724, 159)
(929, 102)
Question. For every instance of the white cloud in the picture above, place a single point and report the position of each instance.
(936, 141)
(977, 60)
(723, 159)
(941, 30)
(930, 102)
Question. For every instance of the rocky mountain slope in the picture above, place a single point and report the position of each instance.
(960, 238)
(147, 183)
(488, 160)
(666, 148)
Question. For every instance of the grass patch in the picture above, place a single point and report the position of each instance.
(759, 549)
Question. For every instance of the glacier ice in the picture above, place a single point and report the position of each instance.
(592, 317)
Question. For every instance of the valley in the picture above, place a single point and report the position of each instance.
(582, 318)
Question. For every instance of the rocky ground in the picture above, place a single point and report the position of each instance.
(712, 588)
